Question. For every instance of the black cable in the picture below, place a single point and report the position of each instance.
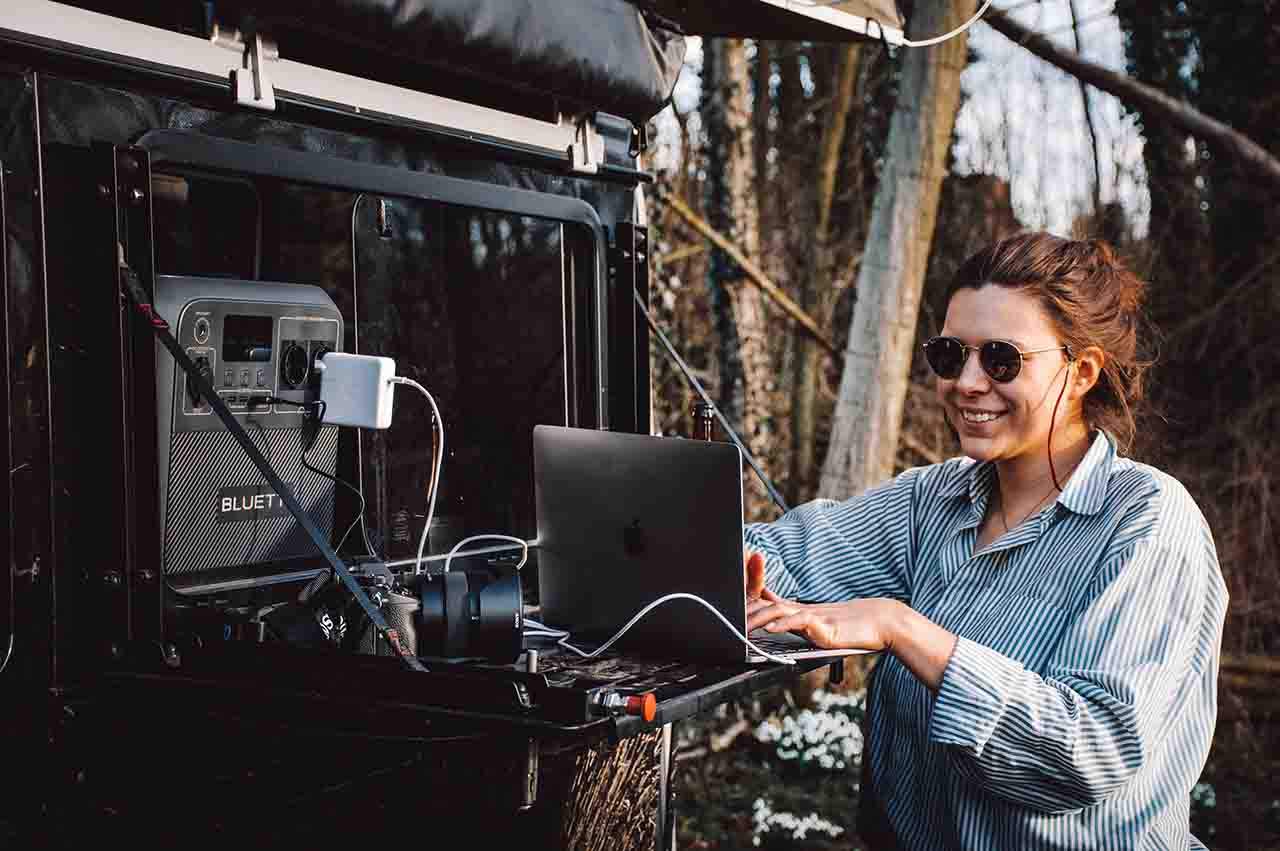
(318, 419)
(134, 291)
(359, 496)
(688, 374)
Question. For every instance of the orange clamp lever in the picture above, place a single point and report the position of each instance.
(644, 705)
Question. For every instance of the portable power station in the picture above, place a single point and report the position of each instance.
(257, 342)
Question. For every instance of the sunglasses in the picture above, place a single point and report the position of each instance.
(1000, 360)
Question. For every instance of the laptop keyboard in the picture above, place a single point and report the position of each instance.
(779, 642)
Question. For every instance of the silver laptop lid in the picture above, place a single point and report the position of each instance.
(624, 519)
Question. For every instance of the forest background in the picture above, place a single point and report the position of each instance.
(851, 180)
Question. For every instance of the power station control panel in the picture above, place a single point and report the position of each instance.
(253, 353)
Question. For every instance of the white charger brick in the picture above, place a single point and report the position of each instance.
(357, 390)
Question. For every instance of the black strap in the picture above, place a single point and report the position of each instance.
(697, 386)
(132, 288)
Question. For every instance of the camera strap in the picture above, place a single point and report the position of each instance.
(137, 296)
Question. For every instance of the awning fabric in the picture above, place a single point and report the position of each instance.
(599, 55)
(788, 20)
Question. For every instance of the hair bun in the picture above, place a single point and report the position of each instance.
(1130, 290)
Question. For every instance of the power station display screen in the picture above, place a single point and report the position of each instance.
(246, 338)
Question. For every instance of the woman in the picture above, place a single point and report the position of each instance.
(1050, 612)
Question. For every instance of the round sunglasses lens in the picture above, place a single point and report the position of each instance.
(945, 356)
(1001, 361)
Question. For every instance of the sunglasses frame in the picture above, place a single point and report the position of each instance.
(965, 349)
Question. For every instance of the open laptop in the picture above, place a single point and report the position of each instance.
(624, 519)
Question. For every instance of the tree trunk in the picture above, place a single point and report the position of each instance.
(763, 134)
(716, 93)
(868, 416)
(818, 269)
(746, 372)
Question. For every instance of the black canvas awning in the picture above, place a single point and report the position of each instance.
(585, 54)
(789, 20)
(531, 57)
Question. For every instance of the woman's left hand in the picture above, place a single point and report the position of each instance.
(864, 624)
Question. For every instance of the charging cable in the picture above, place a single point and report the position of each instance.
(524, 548)
(540, 630)
(946, 36)
(437, 468)
(563, 637)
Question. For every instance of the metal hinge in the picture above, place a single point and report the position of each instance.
(586, 154)
(250, 84)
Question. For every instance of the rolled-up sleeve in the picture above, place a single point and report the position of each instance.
(826, 550)
(1146, 636)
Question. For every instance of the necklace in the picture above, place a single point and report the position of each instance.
(1005, 522)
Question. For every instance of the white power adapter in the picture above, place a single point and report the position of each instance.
(357, 390)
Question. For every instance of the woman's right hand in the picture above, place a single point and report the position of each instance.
(753, 571)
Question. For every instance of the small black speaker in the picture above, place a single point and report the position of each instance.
(475, 612)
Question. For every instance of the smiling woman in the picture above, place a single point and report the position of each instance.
(1051, 610)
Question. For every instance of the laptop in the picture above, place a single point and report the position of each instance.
(624, 519)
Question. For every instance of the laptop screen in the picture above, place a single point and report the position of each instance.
(624, 519)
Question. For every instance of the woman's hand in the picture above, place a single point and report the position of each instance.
(867, 624)
(873, 624)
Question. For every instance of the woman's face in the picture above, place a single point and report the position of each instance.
(1022, 407)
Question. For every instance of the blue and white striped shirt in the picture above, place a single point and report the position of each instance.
(1078, 707)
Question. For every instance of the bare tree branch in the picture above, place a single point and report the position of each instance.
(928, 453)
(1154, 103)
(1088, 117)
(682, 252)
(753, 272)
(1193, 322)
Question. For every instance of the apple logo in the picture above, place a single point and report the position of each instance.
(633, 539)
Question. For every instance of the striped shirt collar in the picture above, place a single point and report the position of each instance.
(1084, 494)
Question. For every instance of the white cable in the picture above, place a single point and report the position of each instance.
(437, 467)
(680, 595)
(524, 555)
(530, 544)
(541, 630)
(542, 627)
(8, 654)
(955, 32)
(355, 306)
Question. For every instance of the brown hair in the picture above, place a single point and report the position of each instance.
(1091, 297)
